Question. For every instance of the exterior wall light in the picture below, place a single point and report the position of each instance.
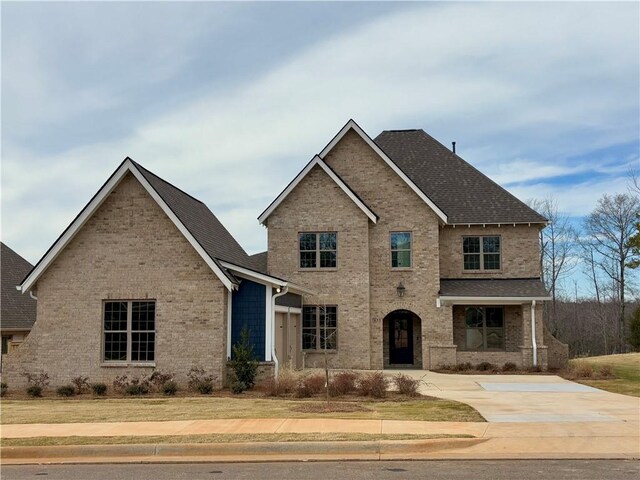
(400, 290)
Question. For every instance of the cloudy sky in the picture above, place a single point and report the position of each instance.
(229, 100)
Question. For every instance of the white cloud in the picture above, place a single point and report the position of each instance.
(525, 85)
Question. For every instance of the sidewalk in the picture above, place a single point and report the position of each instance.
(491, 441)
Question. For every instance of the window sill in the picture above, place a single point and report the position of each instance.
(128, 364)
(401, 269)
(330, 352)
(481, 271)
(327, 269)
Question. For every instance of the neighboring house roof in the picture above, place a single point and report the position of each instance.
(260, 261)
(317, 161)
(466, 195)
(18, 312)
(525, 288)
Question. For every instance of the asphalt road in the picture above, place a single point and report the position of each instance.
(440, 470)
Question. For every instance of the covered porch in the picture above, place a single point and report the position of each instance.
(496, 320)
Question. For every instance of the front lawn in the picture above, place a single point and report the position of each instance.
(86, 409)
(625, 368)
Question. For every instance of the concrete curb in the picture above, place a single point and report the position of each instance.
(238, 452)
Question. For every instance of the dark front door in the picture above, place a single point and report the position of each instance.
(401, 339)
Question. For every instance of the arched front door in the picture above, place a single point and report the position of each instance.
(400, 337)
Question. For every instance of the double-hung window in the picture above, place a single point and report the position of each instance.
(481, 253)
(129, 331)
(484, 328)
(319, 327)
(318, 250)
(401, 249)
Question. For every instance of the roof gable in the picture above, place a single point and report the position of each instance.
(464, 193)
(317, 161)
(18, 311)
(192, 218)
(352, 125)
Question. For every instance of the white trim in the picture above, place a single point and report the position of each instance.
(534, 342)
(229, 321)
(94, 204)
(263, 278)
(353, 125)
(283, 309)
(269, 326)
(459, 300)
(319, 162)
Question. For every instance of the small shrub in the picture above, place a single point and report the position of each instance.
(462, 367)
(237, 387)
(137, 389)
(3, 389)
(205, 388)
(199, 381)
(606, 371)
(158, 379)
(302, 390)
(343, 383)
(315, 383)
(373, 385)
(37, 379)
(244, 363)
(582, 370)
(120, 383)
(509, 367)
(81, 384)
(534, 369)
(170, 388)
(66, 391)
(34, 391)
(284, 385)
(485, 367)
(99, 388)
(406, 385)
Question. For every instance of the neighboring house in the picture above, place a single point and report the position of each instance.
(17, 311)
(383, 253)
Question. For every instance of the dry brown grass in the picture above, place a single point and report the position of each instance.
(78, 409)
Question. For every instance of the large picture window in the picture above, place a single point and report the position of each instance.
(484, 328)
(401, 249)
(129, 331)
(481, 253)
(318, 250)
(319, 327)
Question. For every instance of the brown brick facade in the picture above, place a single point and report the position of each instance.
(128, 250)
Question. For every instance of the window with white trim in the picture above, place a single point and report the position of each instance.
(481, 253)
(129, 331)
(484, 328)
(318, 249)
(401, 243)
(319, 327)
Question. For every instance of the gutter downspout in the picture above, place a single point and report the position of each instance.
(273, 329)
(533, 333)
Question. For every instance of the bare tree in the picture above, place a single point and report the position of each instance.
(557, 252)
(608, 230)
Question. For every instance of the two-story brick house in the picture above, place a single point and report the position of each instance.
(381, 253)
(416, 257)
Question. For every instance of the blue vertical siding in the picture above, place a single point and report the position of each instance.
(248, 310)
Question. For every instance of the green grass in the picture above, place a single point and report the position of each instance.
(87, 410)
(219, 438)
(626, 369)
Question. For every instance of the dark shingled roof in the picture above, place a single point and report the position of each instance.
(208, 231)
(260, 262)
(494, 287)
(18, 310)
(463, 193)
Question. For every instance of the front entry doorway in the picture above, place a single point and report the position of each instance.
(401, 337)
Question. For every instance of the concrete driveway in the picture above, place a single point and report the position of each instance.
(531, 398)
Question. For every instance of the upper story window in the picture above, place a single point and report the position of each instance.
(401, 243)
(318, 250)
(481, 253)
(129, 331)
(319, 327)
